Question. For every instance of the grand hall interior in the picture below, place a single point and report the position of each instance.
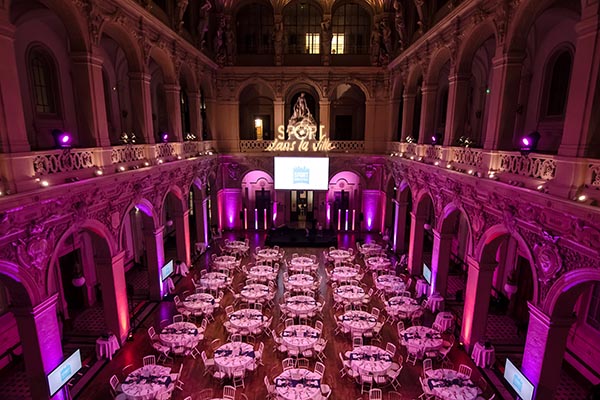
(299, 199)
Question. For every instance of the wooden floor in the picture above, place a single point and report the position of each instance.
(342, 388)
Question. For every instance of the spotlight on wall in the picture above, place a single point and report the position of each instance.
(164, 137)
(529, 143)
(437, 139)
(62, 139)
(581, 198)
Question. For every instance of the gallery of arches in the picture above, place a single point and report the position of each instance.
(299, 199)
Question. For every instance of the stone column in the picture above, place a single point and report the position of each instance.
(407, 114)
(428, 110)
(477, 301)
(173, 104)
(182, 235)
(13, 131)
(580, 119)
(440, 261)
(415, 250)
(88, 88)
(506, 82)
(458, 93)
(324, 117)
(155, 252)
(400, 227)
(200, 206)
(141, 106)
(42, 348)
(278, 117)
(111, 275)
(544, 351)
(195, 116)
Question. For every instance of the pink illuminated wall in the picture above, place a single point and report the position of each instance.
(372, 210)
(230, 205)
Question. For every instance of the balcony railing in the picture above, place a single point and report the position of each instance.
(59, 161)
(339, 146)
(530, 166)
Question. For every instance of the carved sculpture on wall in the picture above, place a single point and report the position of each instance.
(203, 22)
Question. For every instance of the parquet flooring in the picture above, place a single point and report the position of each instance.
(195, 381)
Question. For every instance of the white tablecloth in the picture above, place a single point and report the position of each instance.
(299, 337)
(298, 384)
(302, 263)
(445, 320)
(341, 274)
(483, 357)
(358, 322)
(339, 255)
(422, 338)
(378, 263)
(236, 247)
(402, 304)
(147, 382)
(421, 287)
(182, 269)
(214, 280)
(256, 292)
(224, 261)
(370, 360)
(262, 273)
(199, 302)
(234, 355)
(390, 284)
(300, 281)
(350, 293)
(180, 334)
(448, 384)
(268, 254)
(301, 305)
(105, 348)
(246, 319)
(435, 302)
(370, 248)
(168, 285)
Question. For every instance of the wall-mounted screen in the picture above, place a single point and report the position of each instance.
(166, 270)
(301, 173)
(427, 273)
(65, 371)
(518, 381)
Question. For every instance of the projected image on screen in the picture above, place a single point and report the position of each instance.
(301, 173)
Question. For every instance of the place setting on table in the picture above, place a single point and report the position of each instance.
(339, 255)
(199, 302)
(301, 305)
(224, 261)
(263, 272)
(298, 384)
(246, 319)
(236, 247)
(301, 263)
(350, 293)
(422, 338)
(255, 292)
(215, 280)
(371, 248)
(299, 281)
(180, 335)
(390, 284)
(147, 382)
(343, 273)
(234, 355)
(300, 337)
(378, 263)
(449, 384)
(268, 254)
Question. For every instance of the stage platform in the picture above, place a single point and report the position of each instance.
(293, 237)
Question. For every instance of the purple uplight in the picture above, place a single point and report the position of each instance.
(433, 139)
(61, 138)
(164, 137)
(525, 141)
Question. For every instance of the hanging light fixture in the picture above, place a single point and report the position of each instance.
(78, 279)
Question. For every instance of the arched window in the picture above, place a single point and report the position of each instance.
(302, 24)
(558, 75)
(43, 82)
(255, 29)
(351, 28)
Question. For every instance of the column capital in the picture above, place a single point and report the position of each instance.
(548, 321)
(429, 88)
(473, 263)
(459, 77)
(36, 310)
(140, 76)
(514, 58)
(442, 236)
(82, 57)
(171, 87)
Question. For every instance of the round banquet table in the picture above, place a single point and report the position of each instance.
(390, 283)
(246, 319)
(268, 254)
(421, 288)
(449, 384)
(179, 334)
(350, 293)
(263, 273)
(358, 322)
(342, 274)
(370, 360)
(224, 261)
(236, 247)
(147, 382)
(370, 248)
(298, 384)
(214, 280)
(421, 337)
(302, 263)
(300, 337)
(445, 320)
(106, 347)
(301, 305)
(256, 292)
(234, 355)
(199, 302)
(435, 302)
(378, 263)
(402, 304)
(339, 255)
(300, 281)
(484, 357)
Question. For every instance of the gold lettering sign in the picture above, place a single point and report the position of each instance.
(300, 139)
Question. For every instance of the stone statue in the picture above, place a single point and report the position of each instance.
(326, 35)
(203, 20)
(386, 33)
(219, 45)
(180, 11)
(278, 41)
(300, 108)
(301, 125)
(231, 45)
(375, 44)
(400, 24)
